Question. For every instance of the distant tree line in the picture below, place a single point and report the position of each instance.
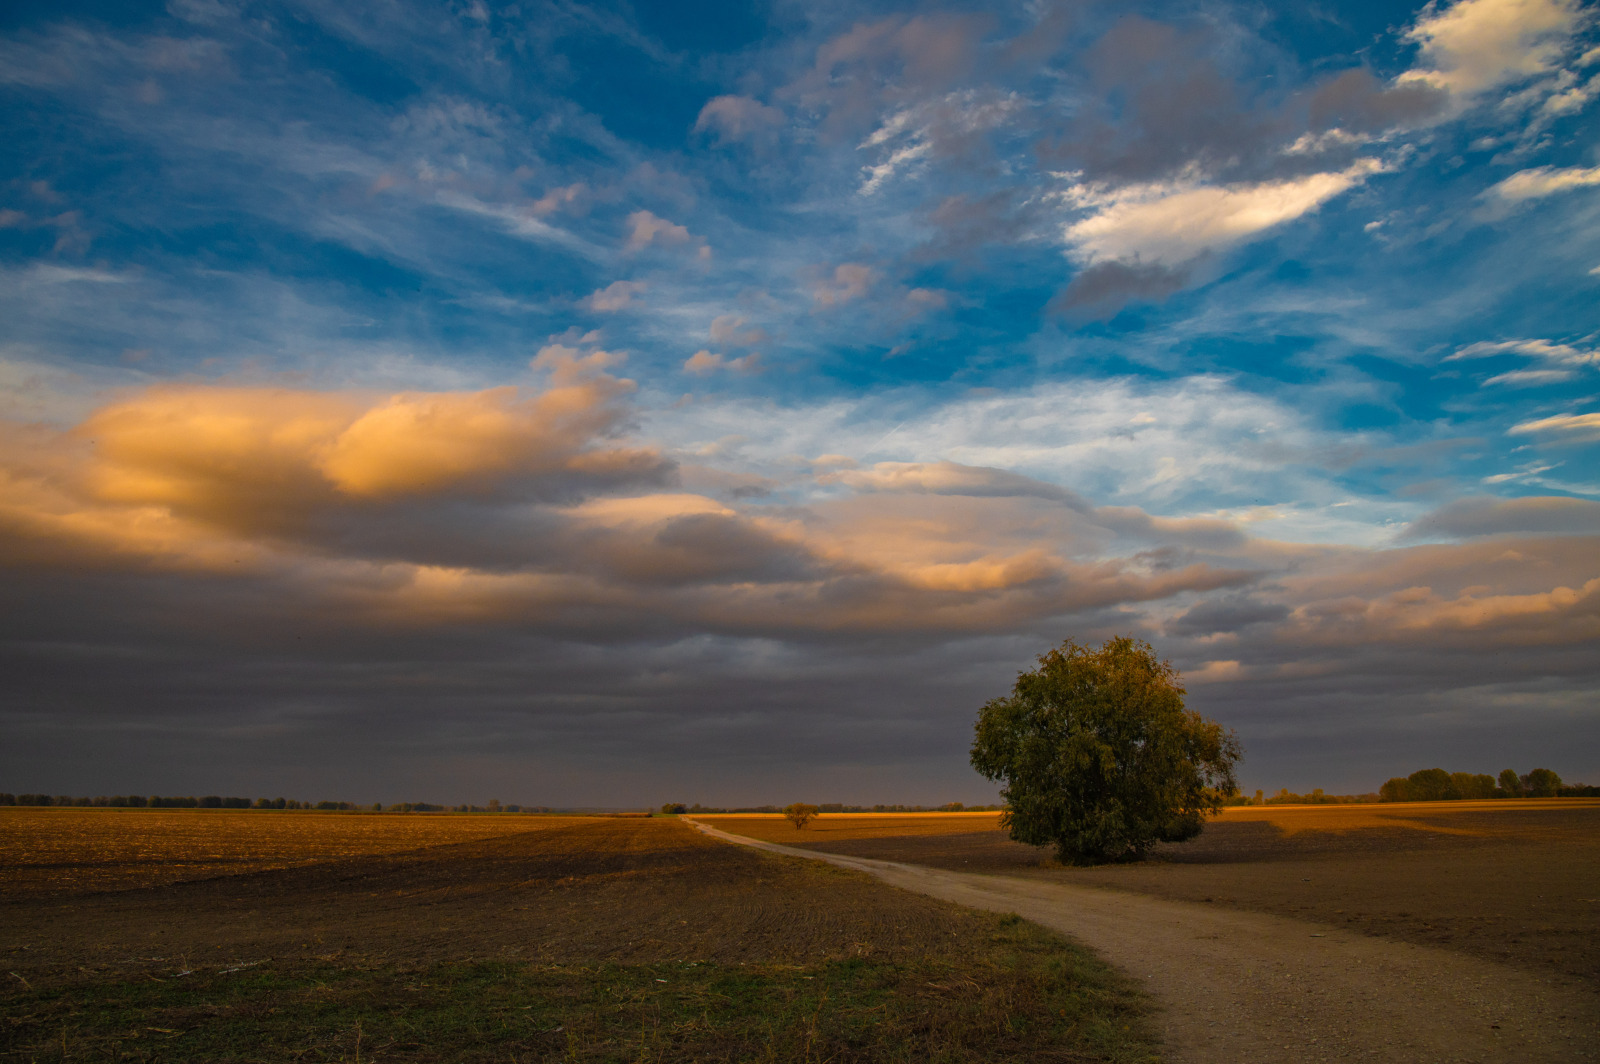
(1437, 785)
(155, 801)
(212, 801)
(832, 807)
(1288, 797)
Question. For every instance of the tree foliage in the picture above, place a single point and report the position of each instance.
(1437, 785)
(799, 814)
(1541, 783)
(1099, 757)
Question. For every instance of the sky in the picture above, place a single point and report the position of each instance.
(609, 404)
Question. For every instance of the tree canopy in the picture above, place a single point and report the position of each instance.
(799, 814)
(1099, 756)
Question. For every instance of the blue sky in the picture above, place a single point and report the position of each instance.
(599, 403)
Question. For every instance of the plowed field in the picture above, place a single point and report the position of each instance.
(626, 891)
(50, 851)
(593, 940)
(1510, 880)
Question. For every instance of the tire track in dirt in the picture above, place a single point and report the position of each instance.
(1240, 986)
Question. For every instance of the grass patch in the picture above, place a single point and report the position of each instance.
(1029, 996)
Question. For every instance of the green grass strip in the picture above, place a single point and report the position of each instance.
(1031, 997)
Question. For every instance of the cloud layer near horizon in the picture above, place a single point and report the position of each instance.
(522, 517)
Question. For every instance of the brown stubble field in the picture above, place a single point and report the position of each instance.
(568, 891)
(1513, 881)
(525, 938)
(47, 850)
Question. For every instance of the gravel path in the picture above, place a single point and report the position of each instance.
(1240, 987)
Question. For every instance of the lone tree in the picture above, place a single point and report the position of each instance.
(799, 814)
(1099, 757)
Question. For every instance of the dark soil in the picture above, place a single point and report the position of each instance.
(1515, 883)
(598, 941)
(624, 891)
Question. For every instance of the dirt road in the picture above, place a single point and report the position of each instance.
(1239, 986)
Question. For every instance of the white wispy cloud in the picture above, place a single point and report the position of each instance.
(1541, 181)
(1574, 428)
(1172, 223)
(1562, 361)
(521, 221)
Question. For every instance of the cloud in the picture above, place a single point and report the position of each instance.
(1564, 361)
(614, 296)
(1484, 516)
(1229, 613)
(1567, 428)
(1473, 46)
(269, 460)
(45, 273)
(645, 228)
(1469, 617)
(518, 220)
(849, 281)
(535, 576)
(730, 329)
(949, 127)
(1160, 105)
(703, 362)
(1107, 287)
(948, 478)
(1530, 378)
(1545, 349)
(1541, 181)
(558, 198)
(735, 118)
(896, 58)
(1170, 224)
(1357, 102)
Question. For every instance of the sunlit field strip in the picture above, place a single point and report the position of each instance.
(1458, 817)
(53, 849)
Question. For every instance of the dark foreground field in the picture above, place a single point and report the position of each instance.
(591, 940)
(1513, 881)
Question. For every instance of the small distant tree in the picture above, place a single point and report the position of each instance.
(800, 814)
(1511, 783)
(674, 808)
(1099, 756)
